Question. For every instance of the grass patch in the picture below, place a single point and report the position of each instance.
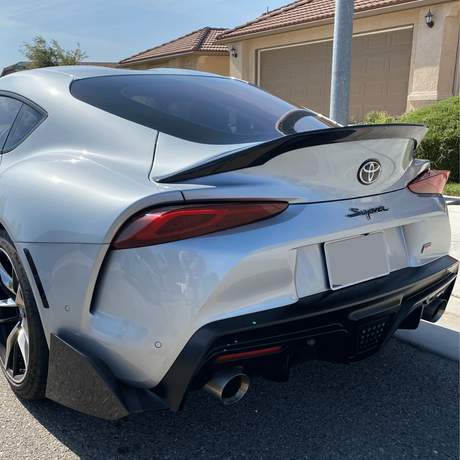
(452, 189)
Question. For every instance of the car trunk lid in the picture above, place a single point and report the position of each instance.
(323, 165)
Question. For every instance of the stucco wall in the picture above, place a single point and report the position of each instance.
(433, 50)
(434, 56)
(172, 63)
(457, 70)
(203, 63)
(214, 64)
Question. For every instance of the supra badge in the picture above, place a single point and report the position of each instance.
(369, 172)
(367, 212)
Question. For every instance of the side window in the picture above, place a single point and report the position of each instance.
(26, 121)
(9, 109)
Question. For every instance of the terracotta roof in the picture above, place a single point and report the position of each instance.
(302, 12)
(100, 64)
(200, 40)
(21, 65)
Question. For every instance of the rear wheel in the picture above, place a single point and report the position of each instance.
(23, 348)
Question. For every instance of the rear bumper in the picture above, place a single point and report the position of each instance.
(333, 326)
(346, 326)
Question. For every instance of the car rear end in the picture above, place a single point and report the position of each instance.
(316, 244)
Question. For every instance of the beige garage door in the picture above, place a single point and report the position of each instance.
(379, 73)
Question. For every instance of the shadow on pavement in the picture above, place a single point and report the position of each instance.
(402, 404)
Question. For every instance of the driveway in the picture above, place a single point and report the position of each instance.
(402, 404)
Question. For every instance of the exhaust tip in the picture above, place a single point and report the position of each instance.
(228, 386)
(434, 310)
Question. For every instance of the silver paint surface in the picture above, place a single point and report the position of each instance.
(67, 189)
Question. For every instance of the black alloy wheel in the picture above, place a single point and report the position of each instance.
(23, 348)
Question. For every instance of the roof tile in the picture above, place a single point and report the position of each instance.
(199, 40)
(301, 12)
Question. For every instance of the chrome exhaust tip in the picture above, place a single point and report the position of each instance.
(228, 386)
(434, 310)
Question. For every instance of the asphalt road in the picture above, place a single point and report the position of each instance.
(401, 404)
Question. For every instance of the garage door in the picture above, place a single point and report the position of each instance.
(379, 73)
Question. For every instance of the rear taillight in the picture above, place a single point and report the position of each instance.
(430, 182)
(178, 223)
(248, 354)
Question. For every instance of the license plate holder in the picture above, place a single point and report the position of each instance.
(354, 260)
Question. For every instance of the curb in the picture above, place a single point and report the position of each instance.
(434, 339)
(441, 338)
(452, 200)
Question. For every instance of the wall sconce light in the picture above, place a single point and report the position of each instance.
(429, 19)
(233, 52)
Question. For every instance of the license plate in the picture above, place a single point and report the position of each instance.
(355, 260)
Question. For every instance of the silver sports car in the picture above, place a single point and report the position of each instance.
(163, 231)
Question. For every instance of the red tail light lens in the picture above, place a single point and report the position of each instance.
(248, 354)
(178, 223)
(430, 182)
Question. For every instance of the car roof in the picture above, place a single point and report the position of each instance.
(38, 84)
(80, 71)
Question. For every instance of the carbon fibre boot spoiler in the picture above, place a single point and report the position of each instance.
(262, 153)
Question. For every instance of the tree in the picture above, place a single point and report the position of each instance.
(42, 54)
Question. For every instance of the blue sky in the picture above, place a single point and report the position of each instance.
(111, 30)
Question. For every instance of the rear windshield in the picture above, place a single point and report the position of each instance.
(205, 109)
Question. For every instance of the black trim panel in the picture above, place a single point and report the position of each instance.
(37, 279)
(78, 380)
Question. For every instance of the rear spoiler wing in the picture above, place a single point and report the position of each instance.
(260, 154)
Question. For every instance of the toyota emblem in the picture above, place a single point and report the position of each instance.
(369, 172)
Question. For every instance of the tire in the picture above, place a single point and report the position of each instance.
(23, 347)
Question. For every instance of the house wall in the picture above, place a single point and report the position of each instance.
(433, 49)
(433, 66)
(203, 63)
(154, 65)
(214, 64)
(457, 70)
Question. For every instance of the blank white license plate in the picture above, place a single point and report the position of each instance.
(358, 259)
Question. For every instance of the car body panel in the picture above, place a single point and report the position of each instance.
(266, 265)
(96, 176)
(185, 153)
(68, 189)
(303, 175)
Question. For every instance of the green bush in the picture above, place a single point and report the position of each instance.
(374, 117)
(441, 144)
